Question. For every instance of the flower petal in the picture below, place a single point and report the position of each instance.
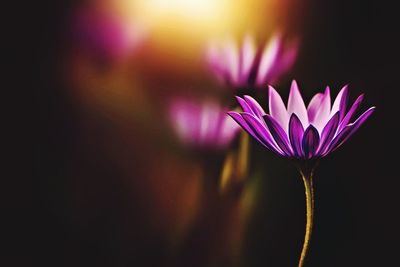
(296, 132)
(208, 122)
(215, 62)
(255, 106)
(310, 142)
(185, 117)
(242, 122)
(328, 133)
(313, 106)
(228, 130)
(340, 102)
(268, 58)
(243, 104)
(232, 61)
(277, 109)
(247, 56)
(279, 135)
(263, 132)
(296, 104)
(320, 116)
(285, 62)
(349, 114)
(349, 130)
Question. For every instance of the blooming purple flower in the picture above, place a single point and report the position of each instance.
(202, 124)
(249, 66)
(296, 131)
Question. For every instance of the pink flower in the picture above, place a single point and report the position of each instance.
(202, 124)
(305, 134)
(297, 131)
(250, 66)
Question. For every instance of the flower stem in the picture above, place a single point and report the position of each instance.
(308, 186)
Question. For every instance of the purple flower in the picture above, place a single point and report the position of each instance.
(202, 124)
(249, 66)
(302, 133)
(297, 131)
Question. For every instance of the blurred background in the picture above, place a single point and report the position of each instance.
(138, 165)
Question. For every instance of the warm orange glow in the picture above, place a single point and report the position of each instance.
(184, 27)
(182, 15)
(203, 14)
(191, 9)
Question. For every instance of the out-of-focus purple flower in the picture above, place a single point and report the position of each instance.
(107, 33)
(249, 66)
(296, 131)
(202, 124)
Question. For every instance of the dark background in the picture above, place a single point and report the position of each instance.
(357, 188)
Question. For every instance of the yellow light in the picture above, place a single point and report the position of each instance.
(199, 18)
(193, 9)
(195, 16)
(184, 27)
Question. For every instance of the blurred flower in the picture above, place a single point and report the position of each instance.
(300, 132)
(203, 124)
(106, 33)
(249, 66)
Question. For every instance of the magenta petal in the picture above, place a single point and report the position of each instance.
(243, 104)
(216, 62)
(232, 60)
(328, 133)
(313, 106)
(310, 142)
(296, 132)
(277, 108)
(247, 55)
(285, 62)
(349, 130)
(241, 121)
(340, 102)
(255, 107)
(339, 139)
(268, 58)
(321, 116)
(296, 104)
(262, 132)
(228, 130)
(279, 135)
(349, 114)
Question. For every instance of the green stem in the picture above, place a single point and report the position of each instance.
(308, 186)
